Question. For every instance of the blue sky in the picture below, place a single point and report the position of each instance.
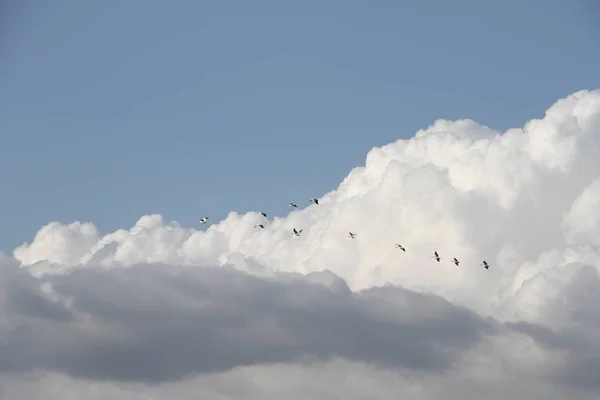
(113, 110)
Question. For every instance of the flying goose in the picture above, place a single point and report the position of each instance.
(264, 214)
(485, 265)
(316, 201)
(259, 226)
(297, 233)
(455, 261)
(400, 247)
(352, 235)
(292, 205)
(203, 220)
(436, 256)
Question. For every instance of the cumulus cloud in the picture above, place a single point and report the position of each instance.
(161, 304)
(156, 324)
(151, 322)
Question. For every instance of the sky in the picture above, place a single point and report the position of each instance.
(471, 132)
(113, 110)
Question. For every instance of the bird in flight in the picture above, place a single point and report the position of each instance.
(203, 220)
(400, 247)
(297, 233)
(352, 235)
(292, 205)
(455, 261)
(316, 201)
(263, 214)
(485, 265)
(259, 226)
(436, 256)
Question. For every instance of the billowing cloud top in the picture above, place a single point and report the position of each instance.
(159, 302)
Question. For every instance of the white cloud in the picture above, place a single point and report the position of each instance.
(100, 311)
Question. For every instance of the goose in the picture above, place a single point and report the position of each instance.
(264, 214)
(203, 220)
(259, 226)
(352, 235)
(455, 261)
(292, 205)
(400, 247)
(485, 265)
(316, 201)
(436, 256)
(297, 233)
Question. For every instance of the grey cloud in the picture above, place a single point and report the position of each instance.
(22, 296)
(156, 323)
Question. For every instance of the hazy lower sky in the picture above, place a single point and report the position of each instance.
(113, 110)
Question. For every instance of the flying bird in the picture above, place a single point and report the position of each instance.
(455, 261)
(203, 220)
(436, 256)
(485, 265)
(400, 247)
(259, 226)
(292, 205)
(263, 214)
(316, 201)
(297, 233)
(352, 235)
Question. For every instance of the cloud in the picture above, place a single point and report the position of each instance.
(160, 303)
(155, 322)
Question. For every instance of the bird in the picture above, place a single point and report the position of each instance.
(297, 233)
(259, 226)
(264, 214)
(485, 265)
(203, 220)
(436, 256)
(292, 205)
(455, 261)
(316, 201)
(400, 247)
(352, 235)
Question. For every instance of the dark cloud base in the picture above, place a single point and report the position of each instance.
(155, 323)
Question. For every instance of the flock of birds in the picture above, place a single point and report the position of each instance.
(351, 235)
